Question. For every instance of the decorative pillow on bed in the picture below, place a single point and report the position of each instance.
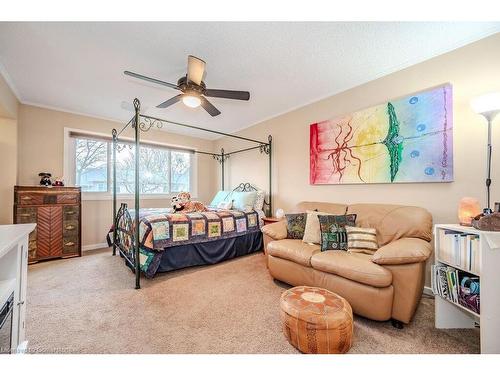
(221, 195)
(333, 231)
(243, 200)
(295, 226)
(225, 205)
(259, 200)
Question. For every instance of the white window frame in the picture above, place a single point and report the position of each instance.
(70, 173)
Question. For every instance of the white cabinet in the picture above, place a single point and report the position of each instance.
(13, 276)
(452, 315)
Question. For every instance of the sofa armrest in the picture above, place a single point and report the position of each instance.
(277, 231)
(403, 251)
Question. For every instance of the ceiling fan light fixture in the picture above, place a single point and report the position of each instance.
(191, 101)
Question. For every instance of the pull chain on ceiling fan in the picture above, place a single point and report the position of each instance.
(194, 91)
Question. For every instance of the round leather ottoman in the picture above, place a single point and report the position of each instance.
(316, 320)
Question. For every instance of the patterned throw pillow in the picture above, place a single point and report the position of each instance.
(362, 240)
(259, 200)
(333, 231)
(295, 225)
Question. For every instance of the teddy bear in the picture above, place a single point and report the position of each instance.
(182, 203)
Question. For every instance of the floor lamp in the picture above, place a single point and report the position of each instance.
(488, 106)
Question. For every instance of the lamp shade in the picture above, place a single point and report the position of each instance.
(468, 208)
(487, 104)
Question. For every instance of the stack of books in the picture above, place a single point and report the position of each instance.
(460, 250)
(450, 284)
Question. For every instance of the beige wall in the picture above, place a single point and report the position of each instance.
(8, 150)
(8, 100)
(41, 148)
(472, 70)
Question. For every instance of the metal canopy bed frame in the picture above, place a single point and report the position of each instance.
(144, 123)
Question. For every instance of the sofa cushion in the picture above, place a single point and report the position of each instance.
(330, 208)
(294, 250)
(393, 222)
(356, 267)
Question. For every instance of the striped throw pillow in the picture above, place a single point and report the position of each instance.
(362, 240)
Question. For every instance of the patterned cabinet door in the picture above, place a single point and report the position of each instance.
(43, 232)
(56, 229)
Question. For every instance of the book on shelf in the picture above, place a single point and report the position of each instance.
(459, 249)
(456, 286)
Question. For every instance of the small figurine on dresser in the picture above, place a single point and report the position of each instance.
(58, 181)
(45, 179)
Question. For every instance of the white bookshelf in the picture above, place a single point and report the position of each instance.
(449, 314)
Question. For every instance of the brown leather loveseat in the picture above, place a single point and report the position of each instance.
(382, 286)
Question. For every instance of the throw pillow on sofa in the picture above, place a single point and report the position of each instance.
(295, 225)
(312, 233)
(333, 231)
(362, 240)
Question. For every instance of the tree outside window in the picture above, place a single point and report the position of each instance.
(162, 170)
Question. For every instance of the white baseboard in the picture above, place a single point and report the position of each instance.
(428, 291)
(95, 246)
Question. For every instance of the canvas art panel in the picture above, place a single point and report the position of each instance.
(404, 140)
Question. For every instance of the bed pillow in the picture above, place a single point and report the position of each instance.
(221, 196)
(243, 200)
(333, 231)
(259, 200)
(362, 240)
(312, 233)
(295, 225)
(225, 205)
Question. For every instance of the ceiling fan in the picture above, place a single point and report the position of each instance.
(194, 91)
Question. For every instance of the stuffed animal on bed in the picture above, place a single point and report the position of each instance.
(182, 203)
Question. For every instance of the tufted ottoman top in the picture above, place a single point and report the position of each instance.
(319, 307)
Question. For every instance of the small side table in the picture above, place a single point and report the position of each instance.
(270, 220)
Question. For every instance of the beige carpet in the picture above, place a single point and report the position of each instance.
(88, 305)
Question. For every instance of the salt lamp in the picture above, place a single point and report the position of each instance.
(468, 208)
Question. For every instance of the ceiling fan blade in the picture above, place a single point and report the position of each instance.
(227, 94)
(169, 102)
(209, 107)
(149, 79)
(196, 68)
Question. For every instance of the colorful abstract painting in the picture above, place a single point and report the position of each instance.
(405, 140)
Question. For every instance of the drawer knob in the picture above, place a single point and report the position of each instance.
(69, 244)
(25, 198)
(70, 212)
(70, 227)
(25, 215)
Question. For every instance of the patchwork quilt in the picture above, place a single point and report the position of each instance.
(160, 229)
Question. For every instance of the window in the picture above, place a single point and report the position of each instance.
(163, 170)
(91, 164)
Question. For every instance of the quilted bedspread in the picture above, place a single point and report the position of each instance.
(160, 229)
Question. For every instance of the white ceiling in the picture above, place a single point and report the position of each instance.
(77, 67)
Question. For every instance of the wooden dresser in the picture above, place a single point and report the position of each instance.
(57, 213)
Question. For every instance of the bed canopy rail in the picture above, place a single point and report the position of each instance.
(140, 122)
